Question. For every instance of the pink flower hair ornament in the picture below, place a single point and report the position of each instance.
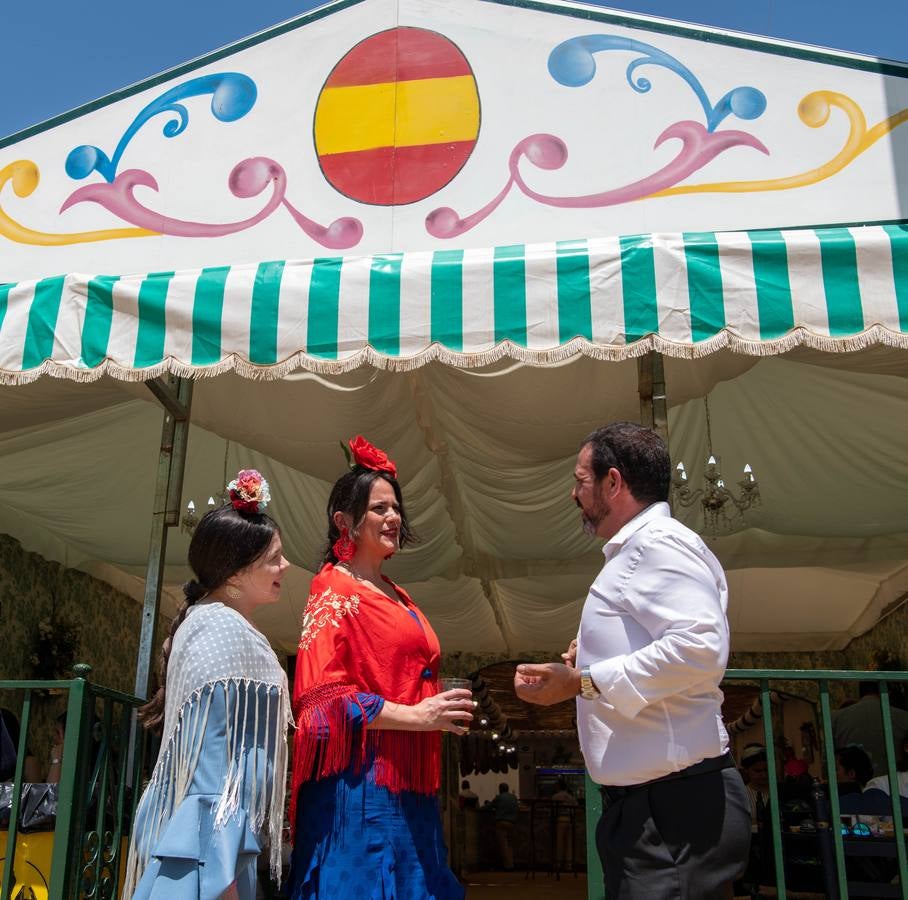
(249, 492)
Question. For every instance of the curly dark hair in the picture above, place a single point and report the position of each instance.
(638, 453)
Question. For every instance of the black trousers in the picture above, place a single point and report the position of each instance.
(680, 839)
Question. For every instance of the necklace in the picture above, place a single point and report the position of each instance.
(376, 586)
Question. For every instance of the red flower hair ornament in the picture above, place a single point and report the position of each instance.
(370, 457)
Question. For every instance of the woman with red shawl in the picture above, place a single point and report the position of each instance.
(367, 755)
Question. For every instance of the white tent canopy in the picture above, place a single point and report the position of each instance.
(485, 459)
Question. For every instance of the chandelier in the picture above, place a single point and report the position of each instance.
(715, 497)
(190, 519)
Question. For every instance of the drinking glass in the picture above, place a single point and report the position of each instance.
(451, 684)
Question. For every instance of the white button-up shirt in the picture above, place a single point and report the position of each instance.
(654, 633)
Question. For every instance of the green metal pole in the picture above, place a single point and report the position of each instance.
(95, 853)
(834, 811)
(766, 700)
(595, 877)
(67, 844)
(894, 796)
(123, 777)
(13, 828)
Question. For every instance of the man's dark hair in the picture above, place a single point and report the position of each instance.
(503, 787)
(638, 453)
(855, 759)
(753, 754)
(465, 785)
(868, 689)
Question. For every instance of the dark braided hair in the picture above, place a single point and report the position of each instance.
(350, 495)
(225, 542)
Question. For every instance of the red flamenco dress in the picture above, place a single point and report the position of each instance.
(364, 801)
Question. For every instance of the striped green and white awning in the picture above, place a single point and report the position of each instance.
(686, 295)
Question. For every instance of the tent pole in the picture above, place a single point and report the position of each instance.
(175, 395)
(651, 387)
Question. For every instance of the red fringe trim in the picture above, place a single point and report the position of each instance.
(323, 743)
(406, 760)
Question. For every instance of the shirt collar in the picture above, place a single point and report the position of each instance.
(659, 510)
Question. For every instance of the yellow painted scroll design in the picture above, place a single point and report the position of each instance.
(814, 111)
(24, 175)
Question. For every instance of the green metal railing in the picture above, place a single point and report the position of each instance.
(831, 833)
(99, 785)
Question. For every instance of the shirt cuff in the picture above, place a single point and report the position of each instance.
(616, 688)
(371, 705)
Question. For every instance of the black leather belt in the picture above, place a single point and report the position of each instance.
(714, 764)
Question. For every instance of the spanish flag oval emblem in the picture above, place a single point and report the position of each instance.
(397, 118)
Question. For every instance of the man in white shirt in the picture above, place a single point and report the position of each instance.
(645, 668)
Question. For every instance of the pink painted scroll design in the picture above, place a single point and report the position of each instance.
(546, 151)
(248, 179)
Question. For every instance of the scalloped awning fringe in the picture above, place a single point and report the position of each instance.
(686, 295)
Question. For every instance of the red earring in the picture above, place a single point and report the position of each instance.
(344, 547)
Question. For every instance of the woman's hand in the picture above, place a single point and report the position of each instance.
(448, 711)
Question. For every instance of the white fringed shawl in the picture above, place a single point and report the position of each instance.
(214, 648)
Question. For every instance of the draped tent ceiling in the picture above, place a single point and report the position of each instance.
(476, 361)
(486, 457)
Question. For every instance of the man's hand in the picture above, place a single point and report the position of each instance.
(570, 655)
(547, 683)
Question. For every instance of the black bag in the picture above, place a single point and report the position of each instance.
(37, 806)
(38, 811)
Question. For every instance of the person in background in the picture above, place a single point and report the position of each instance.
(56, 751)
(468, 797)
(9, 740)
(881, 783)
(506, 809)
(862, 723)
(852, 769)
(565, 803)
(755, 772)
(793, 769)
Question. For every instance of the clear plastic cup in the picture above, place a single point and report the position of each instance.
(452, 684)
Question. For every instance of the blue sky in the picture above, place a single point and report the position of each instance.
(58, 54)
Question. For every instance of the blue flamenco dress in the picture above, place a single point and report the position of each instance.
(367, 823)
(216, 797)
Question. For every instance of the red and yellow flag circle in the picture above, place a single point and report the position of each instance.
(397, 118)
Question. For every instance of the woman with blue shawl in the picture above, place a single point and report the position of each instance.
(216, 795)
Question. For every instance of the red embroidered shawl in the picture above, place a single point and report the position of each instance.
(357, 640)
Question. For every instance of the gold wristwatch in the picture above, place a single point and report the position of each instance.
(588, 689)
